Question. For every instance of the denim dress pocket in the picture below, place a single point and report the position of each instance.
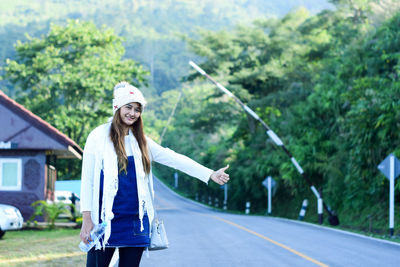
(136, 226)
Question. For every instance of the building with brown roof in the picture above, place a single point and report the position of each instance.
(29, 148)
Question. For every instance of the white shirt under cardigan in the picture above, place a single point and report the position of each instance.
(99, 154)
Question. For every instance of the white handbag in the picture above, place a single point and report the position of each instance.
(158, 236)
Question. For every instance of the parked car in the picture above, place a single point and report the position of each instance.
(10, 219)
(63, 196)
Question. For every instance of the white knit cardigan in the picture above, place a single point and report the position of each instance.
(99, 154)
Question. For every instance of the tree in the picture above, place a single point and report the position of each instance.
(67, 76)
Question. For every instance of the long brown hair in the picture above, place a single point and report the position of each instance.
(117, 135)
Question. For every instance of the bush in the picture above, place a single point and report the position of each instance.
(49, 210)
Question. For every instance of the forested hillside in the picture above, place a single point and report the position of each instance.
(152, 29)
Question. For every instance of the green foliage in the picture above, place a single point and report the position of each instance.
(329, 87)
(152, 29)
(50, 211)
(67, 76)
(79, 221)
(327, 84)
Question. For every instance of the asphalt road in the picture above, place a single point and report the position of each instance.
(202, 237)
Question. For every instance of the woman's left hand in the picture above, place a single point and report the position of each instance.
(220, 177)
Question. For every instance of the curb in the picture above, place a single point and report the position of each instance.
(339, 231)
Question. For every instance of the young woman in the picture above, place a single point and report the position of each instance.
(116, 177)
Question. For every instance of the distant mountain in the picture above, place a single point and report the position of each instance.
(151, 28)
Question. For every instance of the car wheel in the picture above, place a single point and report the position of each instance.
(2, 233)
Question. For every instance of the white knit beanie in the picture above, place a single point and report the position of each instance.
(125, 93)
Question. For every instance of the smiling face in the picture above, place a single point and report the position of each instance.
(129, 113)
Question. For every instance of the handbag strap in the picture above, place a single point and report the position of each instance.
(152, 198)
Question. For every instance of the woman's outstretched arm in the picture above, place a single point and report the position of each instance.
(183, 163)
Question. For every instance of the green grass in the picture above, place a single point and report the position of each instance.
(41, 248)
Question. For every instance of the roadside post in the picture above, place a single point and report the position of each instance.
(319, 204)
(320, 211)
(303, 210)
(269, 195)
(390, 167)
(176, 179)
(225, 196)
(247, 211)
(270, 184)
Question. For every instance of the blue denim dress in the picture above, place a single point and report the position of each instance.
(125, 226)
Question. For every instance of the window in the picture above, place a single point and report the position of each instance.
(10, 174)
